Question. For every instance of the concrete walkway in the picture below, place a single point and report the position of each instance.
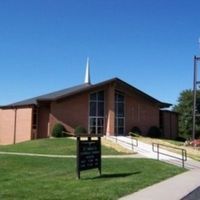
(65, 156)
(146, 151)
(184, 186)
(174, 188)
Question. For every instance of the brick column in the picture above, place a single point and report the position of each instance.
(110, 129)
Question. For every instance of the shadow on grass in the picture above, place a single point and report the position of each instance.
(118, 175)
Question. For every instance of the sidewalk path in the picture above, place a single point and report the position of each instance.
(66, 156)
(174, 188)
(37, 155)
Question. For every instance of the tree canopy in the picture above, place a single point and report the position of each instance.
(185, 109)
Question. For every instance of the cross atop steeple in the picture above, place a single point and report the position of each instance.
(87, 72)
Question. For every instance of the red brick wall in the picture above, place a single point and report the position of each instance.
(71, 112)
(174, 125)
(15, 125)
(169, 124)
(43, 121)
(7, 126)
(139, 111)
(23, 124)
(110, 110)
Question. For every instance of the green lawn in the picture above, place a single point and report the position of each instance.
(56, 146)
(36, 178)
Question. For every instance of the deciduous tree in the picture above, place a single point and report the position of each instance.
(185, 108)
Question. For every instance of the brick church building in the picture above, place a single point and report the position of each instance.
(111, 107)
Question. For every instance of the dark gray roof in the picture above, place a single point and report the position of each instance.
(51, 96)
(80, 88)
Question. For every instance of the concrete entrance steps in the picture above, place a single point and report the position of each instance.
(146, 151)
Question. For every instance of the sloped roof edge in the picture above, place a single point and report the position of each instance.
(50, 96)
(54, 96)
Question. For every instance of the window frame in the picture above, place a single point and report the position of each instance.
(96, 117)
(118, 116)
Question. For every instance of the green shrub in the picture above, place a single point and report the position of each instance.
(180, 139)
(136, 130)
(154, 132)
(80, 130)
(58, 130)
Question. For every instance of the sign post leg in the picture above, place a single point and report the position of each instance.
(77, 158)
(99, 141)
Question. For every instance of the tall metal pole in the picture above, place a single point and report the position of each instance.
(194, 98)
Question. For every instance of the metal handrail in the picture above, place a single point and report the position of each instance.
(183, 152)
(132, 143)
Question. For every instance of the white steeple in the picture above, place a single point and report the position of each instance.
(87, 72)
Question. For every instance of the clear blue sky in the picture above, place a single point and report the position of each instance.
(148, 43)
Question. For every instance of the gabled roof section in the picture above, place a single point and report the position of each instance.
(54, 96)
(49, 97)
(161, 104)
(113, 80)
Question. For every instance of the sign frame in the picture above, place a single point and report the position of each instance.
(88, 153)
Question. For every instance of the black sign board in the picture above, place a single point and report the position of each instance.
(88, 154)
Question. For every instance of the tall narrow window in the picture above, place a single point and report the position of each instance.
(34, 122)
(96, 114)
(119, 113)
(34, 118)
